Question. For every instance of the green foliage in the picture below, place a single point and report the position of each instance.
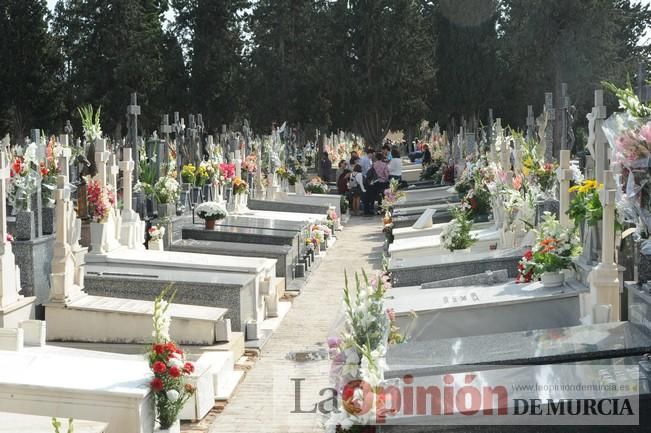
(57, 425)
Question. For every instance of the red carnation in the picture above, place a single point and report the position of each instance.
(175, 372)
(159, 349)
(159, 367)
(170, 347)
(156, 384)
(188, 367)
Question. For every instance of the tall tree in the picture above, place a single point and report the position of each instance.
(113, 48)
(389, 65)
(466, 49)
(579, 42)
(30, 72)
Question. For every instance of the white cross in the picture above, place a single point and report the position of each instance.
(126, 165)
(564, 180)
(101, 158)
(4, 175)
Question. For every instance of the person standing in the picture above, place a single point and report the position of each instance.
(357, 188)
(326, 167)
(395, 165)
(427, 155)
(381, 168)
(366, 161)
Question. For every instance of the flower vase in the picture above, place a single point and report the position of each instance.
(174, 428)
(166, 210)
(552, 279)
(507, 237)
(98, 237)
(218, 193)
(156, 245)
(207, 193)
(210, 224)
(195, 195)
(239, 202)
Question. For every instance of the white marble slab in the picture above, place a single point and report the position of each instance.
(285, 216)
(416, 246)
(175, 259)
(79, 384)
(453, 257)
(480, 310)
(410, 232)
(20, 423)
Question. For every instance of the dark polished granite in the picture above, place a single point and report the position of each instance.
(621, 375)
(263, 223)
(545, 346)
(440, 216)
(285, 206)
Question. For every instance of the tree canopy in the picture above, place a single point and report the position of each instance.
(363, 65)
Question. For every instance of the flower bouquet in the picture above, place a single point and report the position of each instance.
(249, 165)
(189, 174)
(552, 253)
(357, 353)
(456, 234)
(204, 172)
(211, 211)
(170, 369)
(167, 190)
(586, 206)
(101, 200)
(392, 195)
(23, 183)
(316, 186)
(629, 136)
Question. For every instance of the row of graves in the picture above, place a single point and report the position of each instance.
(531, 269)
(195, 233)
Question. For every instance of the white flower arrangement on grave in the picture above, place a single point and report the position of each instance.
(90, 122)
(166, 190)
(211, 210)
(456, 234)
(357, 366)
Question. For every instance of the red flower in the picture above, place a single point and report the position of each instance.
(44, 169)
(159, 367)
(156, 384)
(158, 348)
(17, 166)
(175, 372)
(189, 388)
(188, 367)
(170, 347)
(528, 255)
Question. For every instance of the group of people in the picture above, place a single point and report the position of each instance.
(363, 179)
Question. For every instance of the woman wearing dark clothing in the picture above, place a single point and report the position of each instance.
(326, 167)
(427, 155)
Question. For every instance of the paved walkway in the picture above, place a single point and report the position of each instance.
(267, 400)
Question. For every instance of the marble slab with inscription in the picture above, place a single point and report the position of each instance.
(430, 245)
(480, 310)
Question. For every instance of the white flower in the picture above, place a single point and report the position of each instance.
(30, 154)
(175, 362)
(172, 395)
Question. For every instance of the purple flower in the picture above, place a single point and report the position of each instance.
(334, 342)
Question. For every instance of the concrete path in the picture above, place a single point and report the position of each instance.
(276, 389)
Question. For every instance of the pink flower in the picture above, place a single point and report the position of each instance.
(645, 132)
(517, 182)
(392, 314)
(334, 342)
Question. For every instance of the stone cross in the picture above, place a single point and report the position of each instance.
(600, 143)
(114, 171)
(165, 130)
(62, 278)
(133, 111)
(127, 166)
(35, 135)
(531, 123)
(4, 175)
(101, 159)
(64, 156)
(604, 279)
(238, 163)
(549, 130)
(565, 176)
(565, 105)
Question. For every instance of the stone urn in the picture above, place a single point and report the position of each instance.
(166, 210)
(552, 279)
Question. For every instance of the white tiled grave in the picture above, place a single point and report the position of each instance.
(316, 199)
(439, 192)
(20, 423)
(431, 245)
(118, 320)
(66, 383)
(411, 232)
(480, 310)
(452, 257)
(284, 216)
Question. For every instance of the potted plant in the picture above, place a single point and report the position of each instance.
(169, 368)
(211, 211)
(456, 234)
(552, 253)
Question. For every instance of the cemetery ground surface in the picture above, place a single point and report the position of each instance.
(266, 398)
